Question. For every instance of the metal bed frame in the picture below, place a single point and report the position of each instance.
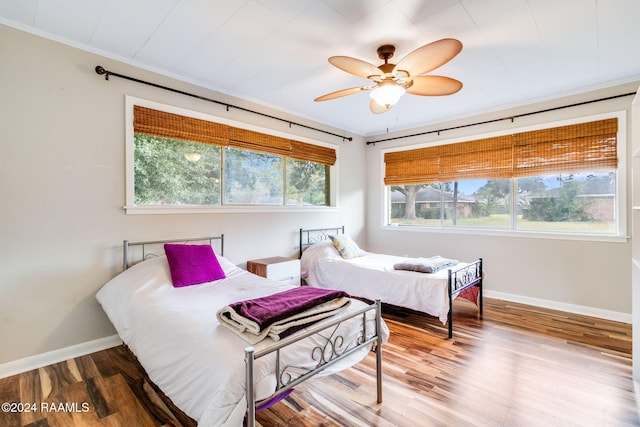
(333, 350)
(159, 251)
(314, 235)
(461, 279)
(458, 279)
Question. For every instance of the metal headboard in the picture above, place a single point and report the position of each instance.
(313, 235)
(126, 246)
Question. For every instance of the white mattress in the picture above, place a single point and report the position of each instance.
(372, 276)
(174, 332)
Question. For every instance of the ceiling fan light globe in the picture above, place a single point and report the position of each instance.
(387, 94)
(192, 157)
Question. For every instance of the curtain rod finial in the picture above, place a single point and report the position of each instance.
(100, 71)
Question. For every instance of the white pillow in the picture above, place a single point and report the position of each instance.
(321, 250)
(316, 253)
(345, 246)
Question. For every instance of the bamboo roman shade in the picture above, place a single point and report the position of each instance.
(175, 126)
(256, 141)
(412, 166)
(585, 146)
(312, 153)
(169, 125)
(588, 146)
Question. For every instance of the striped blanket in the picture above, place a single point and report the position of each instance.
(279, 315)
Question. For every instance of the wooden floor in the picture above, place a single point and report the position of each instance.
(518, 366)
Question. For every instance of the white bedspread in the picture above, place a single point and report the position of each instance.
(174, 332)
(372, 276)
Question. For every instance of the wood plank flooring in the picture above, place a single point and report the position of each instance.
(517, 366)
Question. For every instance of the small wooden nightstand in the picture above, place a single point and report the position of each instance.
(276, 268)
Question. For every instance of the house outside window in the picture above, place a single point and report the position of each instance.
(579, 202)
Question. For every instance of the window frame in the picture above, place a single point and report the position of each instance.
(131, 208)
(621, 210)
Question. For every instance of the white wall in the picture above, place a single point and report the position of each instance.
(63, 182)
(580, 276)
(635, 219)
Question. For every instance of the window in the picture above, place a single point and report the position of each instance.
(174, 172)
(184, 161)
(556, 180)
(252, 178)
(576, 202)
(477, 203)
(307, 183)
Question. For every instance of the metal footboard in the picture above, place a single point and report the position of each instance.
(461, 279)
(332, 351)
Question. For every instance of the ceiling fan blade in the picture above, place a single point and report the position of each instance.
(434, 86)
(429, 57)
(377, 108)
(355, 66)
(343, 92)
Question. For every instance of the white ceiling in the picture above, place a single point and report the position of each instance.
(274, 52)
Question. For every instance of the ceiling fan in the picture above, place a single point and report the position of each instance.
(391, 81)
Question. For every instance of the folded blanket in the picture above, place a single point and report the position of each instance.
(426, 265)
(281, 314)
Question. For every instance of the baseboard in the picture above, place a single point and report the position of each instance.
(56, 356)
(555, 305)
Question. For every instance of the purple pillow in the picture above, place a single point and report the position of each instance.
(192, 264)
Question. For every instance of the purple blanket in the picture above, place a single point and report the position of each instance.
(273, 308)
(280, 314)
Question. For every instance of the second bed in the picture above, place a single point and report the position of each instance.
(373, 276)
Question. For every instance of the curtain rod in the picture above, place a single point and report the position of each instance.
(101, 71)
(512, 118)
